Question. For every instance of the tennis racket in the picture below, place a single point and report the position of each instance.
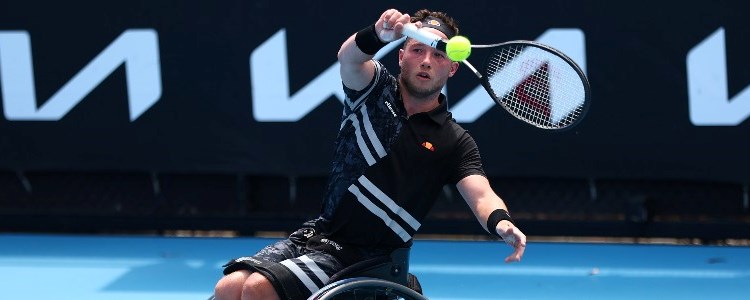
(533, 82)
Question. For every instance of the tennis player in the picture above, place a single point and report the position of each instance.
(396, 148)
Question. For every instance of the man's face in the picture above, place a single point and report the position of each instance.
(424, 70)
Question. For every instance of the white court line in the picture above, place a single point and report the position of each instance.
(63, 262)
(577, 271)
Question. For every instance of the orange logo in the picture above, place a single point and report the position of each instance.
(433, 22)
(428, 146)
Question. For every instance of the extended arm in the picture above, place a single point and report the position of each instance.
(483, 201)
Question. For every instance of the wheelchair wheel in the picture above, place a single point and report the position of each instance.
(365, 288)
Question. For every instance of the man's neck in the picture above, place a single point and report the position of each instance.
(414, 105)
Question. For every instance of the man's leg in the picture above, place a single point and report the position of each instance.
(285, 269)
(245, 286)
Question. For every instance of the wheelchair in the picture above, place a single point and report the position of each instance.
(378, 278)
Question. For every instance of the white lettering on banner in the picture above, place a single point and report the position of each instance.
(708, 92)
(138, 49)
(269, 75)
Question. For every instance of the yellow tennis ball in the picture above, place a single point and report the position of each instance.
(458, 48)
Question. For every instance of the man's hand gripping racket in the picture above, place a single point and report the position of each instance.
(533, 82)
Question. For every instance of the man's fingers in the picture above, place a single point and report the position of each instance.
(516, 255)
(512, 258)
(405, 18)
(517, 240)
(390, 17)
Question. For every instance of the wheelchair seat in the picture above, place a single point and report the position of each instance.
(383, 277)
(394, 267)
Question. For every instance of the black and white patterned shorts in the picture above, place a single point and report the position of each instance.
(298, 266)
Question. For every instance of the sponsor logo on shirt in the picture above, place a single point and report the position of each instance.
(332, 243)
(388, 103)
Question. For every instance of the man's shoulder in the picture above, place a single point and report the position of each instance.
(453, 126)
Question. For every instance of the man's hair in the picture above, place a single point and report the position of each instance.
(421, 14)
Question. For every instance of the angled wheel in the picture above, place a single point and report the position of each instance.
(365, 288)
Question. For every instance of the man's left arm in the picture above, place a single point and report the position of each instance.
(483, 201)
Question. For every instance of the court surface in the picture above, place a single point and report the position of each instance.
(145, 268)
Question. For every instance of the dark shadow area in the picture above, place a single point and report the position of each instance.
(103, 202)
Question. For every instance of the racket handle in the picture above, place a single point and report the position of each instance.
(423, 36)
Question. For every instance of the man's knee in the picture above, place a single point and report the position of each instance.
(257, 286)
(230, 286)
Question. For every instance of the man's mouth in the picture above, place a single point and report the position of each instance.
(423, 75)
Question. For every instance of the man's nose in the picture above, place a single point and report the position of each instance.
(426, 62)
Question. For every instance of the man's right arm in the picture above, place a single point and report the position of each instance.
(357, 68)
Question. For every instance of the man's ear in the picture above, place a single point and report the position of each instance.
(400, 56)
(454, 68)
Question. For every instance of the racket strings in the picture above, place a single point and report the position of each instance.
(536, 86)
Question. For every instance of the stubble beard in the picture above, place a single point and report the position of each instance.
(420, 92)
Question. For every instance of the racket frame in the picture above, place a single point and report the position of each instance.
(437, 42)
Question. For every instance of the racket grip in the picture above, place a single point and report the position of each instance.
(424, 37)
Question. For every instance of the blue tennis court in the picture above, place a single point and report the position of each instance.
(136, 267)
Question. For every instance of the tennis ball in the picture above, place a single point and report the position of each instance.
(458, 48)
